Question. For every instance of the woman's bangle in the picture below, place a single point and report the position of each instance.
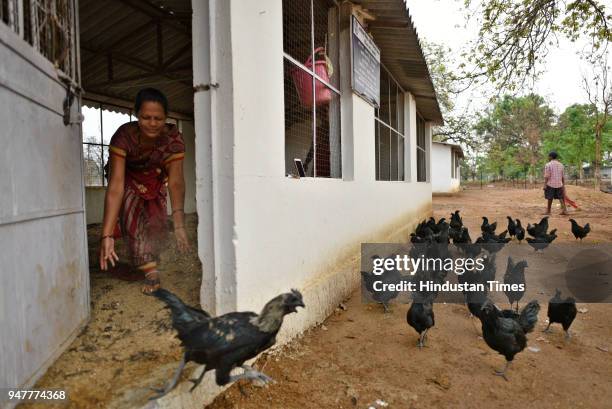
(107, 237)
(177, 210)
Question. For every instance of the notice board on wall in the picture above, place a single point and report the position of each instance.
(365, 59)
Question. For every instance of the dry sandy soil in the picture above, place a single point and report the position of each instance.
(360, 357)
(129, 334)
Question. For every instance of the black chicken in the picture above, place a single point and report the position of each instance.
(486, 227)
(491, 242)
(476, 299)
(431, 223)
(420, 316)
(461, 236)
(501, 237)
(562, 311)
(515, 274)
(419, 230)
(578, 231)
(441, 225)
(542, 241)
(470, 249)
(443, 236)
(479, 276)
(416, 239)
(511, 226)
(519, 231)
(538, 229)
(507, 335)
(456, 222)
(387, 277)
(226, 342)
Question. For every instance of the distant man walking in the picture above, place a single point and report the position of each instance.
(554, 182)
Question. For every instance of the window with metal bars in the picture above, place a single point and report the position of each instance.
(47, 25)
(421, 150)
(453, 159)
(389, 130)
(311, 87)
(99, 125)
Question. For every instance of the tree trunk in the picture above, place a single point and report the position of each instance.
(597, 164)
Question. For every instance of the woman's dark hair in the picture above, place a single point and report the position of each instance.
(553, 155)
(150, 95)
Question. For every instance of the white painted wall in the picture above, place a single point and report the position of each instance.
(442, 182)
(94, 195)
(44, 296)
(261, 233)
(293, 233)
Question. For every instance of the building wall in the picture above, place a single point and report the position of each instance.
(302, 233)
(94, 195)
(442, 182)
(261, 233)
(44, 296)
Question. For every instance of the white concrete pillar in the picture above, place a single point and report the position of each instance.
(203, 152)
(346, 94)
(410, 153)
(213, 116)
(428, 130)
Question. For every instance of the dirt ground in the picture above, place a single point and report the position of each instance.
(360, 357)
(129, 335)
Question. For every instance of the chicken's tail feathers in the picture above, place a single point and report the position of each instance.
(529, 316)
(184, 317)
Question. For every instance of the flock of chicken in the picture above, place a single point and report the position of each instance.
(226, 342)
(503, 330)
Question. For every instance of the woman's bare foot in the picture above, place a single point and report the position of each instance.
(151, 282)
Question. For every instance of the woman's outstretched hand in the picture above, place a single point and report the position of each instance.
(107, 253)
(182, 241)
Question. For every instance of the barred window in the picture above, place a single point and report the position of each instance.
(421, 150)
(311, 87)
(453, 159)
(389, 130)
(47, 25)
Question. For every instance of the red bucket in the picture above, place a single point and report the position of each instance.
(303, 82)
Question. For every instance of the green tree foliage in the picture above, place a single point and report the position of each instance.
(515, 35)
(512, 132)
(573, 137)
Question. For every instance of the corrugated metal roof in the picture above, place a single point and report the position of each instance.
(402, 54)
(122, 34)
